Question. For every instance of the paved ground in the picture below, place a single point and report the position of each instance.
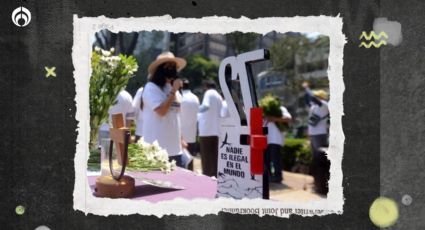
(295, 187)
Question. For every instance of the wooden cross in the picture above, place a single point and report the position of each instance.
(119, 133)
(113, 186)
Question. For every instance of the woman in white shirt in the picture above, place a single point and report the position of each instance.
(161, 105)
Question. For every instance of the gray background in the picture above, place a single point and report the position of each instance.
(383, 121)
(402, 87)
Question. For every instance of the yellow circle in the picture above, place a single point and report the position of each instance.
(20, 210)
(383, 212)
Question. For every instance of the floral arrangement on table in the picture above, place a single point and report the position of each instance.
(110, 74)
(271, 108)
(146, 157)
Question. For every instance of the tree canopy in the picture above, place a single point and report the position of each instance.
(123, 43)
(283, 52)
(199, 68)
(241, 42)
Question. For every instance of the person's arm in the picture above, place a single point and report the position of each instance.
(163, 108)
(183, 143)
(224, 112)
(312, 98)
(279, 119)
(203, 108)
(309, 97)
(137, 100)
(205, 103)
(282, 119)
(285, 118)
(197, 103)
(129, 110)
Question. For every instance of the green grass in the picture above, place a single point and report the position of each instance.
(296, 150)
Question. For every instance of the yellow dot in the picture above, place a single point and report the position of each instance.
(383, 212)
(20, 210)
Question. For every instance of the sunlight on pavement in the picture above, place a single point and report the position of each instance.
(295, 187)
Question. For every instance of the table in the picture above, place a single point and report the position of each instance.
(195, 186)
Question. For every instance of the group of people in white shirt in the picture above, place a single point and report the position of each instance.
(165, 110)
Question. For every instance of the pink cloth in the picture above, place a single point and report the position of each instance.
(195, 186)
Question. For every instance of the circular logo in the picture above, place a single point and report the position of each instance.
(21, 16)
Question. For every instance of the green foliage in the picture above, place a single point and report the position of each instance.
(200, 68)
(110, 74)
(296, 150)
(322, 42)
(133, 129)
(241, 42)
(304, 154)
(93, 164)
(271, 108)
(283, 52)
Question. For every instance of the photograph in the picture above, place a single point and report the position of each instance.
(207, 117)
(166, 88)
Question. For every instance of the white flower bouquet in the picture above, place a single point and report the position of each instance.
(146, 157)
(110, 74)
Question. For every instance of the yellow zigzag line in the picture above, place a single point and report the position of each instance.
(372, 34)
(372, 43)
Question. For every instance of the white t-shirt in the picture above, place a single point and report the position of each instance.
(274, 136)
(209, 121)
(123, 106)
(224, 109)
(165, 129)
(138, 112)
(322, 126)
(188, 116)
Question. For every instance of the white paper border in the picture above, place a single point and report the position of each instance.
(84, 29)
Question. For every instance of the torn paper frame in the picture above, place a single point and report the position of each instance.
(84, 30)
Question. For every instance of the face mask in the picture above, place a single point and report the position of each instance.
(170, 73)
